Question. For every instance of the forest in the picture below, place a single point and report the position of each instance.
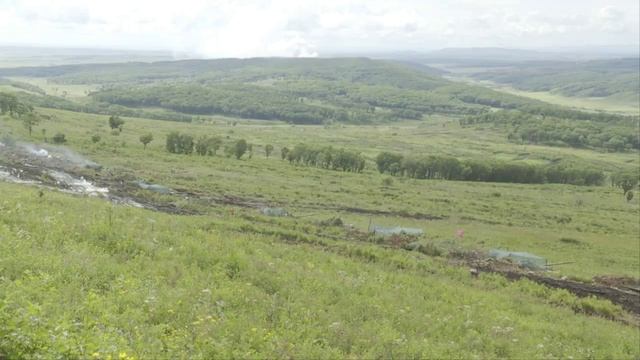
(600, 131)
(300, 91)
(596, 78)
(450, 168)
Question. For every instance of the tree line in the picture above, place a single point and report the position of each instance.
(450, 168)
(180, 143)
(616, 134)
(326, 157)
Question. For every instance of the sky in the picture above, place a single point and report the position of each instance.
(247, 28)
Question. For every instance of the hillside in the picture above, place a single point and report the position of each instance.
(202, 271)
(303, 91)
(601, 78)
(242, 228)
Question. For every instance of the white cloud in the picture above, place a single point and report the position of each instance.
(227, 28)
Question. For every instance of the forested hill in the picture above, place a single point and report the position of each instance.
(308, 91)
(359, 70)
(598, 78)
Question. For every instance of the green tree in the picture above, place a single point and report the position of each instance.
(29, 120)
(10, 104)
(214, 145)
(146, 139)
(116, 123)
(59, 138)
(626, 181)
(268, 149)
(186, 144)
(202, 145)
(173, 142)
(284, 152)
(240, 148)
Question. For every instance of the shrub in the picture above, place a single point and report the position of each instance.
(240, 148)
(146, 139)
(178, 143)
(115, 123)
(59, 138)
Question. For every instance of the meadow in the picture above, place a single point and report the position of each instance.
(83, 277)
(87, 279)
(520, 217)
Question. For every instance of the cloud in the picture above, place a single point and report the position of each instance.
(227, 28)
(612, 19)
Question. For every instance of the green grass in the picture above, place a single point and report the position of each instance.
(68, 91)
(626, 105)
(81, 278)
(529, 218)
(623, 105)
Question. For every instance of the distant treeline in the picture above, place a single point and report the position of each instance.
(10, 104)
(301, 91)
(325, 157)
(22, 86)
(617, 133)
(303, 101)
(482, 96)
(244, 101)
(596, 78)
(450, 168)
(300, 102)
(95, 107)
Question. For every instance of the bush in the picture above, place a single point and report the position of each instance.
(178, 143)
(268, 149)
(146, 139)
(240, 148)
(115, 123)
(327, 158)
(95, 138)
(59, 138)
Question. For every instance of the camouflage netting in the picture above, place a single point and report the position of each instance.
(268, 211)
(153, 187)
(523, 259)
(397, 230)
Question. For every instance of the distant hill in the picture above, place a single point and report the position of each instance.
(306, 91)
(495, 54)
(598, 78)
(20, 56)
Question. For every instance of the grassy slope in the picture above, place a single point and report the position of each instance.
(627, 105)
(72, 91)
(520, 217)
(83, 278)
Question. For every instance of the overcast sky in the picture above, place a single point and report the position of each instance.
(244, 28)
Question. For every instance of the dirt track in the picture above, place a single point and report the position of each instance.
(627, 299)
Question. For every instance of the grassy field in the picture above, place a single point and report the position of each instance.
(87, 279)
(626, 105)
(69, 91)
(534, 218)
(84, 278)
